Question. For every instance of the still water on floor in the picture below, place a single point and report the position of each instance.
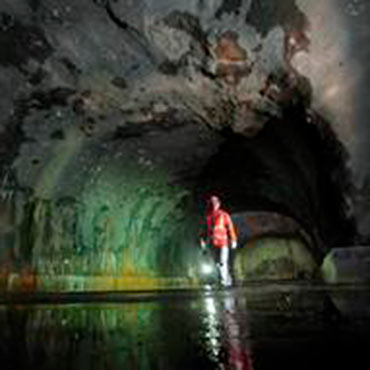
(211, 331)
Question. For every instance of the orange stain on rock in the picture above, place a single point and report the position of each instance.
(231, 58)
(228, 48)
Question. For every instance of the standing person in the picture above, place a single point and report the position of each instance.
(219, 236)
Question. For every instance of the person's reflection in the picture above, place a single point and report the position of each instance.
(225, 338)
(239, 355)
(212, 334)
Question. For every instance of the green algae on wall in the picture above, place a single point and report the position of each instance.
(129, 229)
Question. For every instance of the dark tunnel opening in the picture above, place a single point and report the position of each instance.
(294, 166)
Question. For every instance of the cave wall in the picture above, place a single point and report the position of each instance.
(94, 88)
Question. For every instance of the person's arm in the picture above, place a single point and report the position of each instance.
(232, 233)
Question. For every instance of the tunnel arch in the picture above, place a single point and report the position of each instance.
(99, 94)
(294, 166)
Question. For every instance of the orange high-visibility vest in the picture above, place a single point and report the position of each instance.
(220, 229)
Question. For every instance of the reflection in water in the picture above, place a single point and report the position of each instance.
(211, 331)
(239, 353)
(82, 337)
(153, 335)
(225, 339)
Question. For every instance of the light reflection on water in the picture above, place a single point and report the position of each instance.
(212, 331)
(186, 334)
(151, 335)
(224, 332)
